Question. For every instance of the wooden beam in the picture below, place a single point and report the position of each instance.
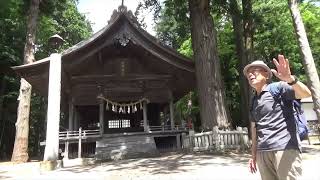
(128, 77)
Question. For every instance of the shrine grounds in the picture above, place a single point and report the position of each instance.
(169, 166)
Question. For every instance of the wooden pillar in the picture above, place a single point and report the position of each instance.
(178, 142)
(171, 110)
(66, 148)
(145, 121)
(53, 114)
(75, 119)
(101, 117)
(79, 143)
(71, 113)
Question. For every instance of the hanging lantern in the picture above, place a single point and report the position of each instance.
(113, 108)
(120, 109)
(128, 110)
(135, 108)
(141, 105)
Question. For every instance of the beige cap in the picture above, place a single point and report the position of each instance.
(257, 63)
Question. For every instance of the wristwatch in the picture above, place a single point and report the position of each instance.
(294, 81)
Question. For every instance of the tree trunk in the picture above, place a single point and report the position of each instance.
(20, 150)
(2, 120)
(208, 75)
(248, 28)
(240, 49)
(2, 91)
(308, 62)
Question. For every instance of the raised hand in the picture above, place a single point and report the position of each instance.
(283, 69)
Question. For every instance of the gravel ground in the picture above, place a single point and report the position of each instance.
(231, 166)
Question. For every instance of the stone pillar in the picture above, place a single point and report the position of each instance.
(53, 114)
(101, 116)
(145, 121)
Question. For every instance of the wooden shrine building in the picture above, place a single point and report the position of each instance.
(121, 83)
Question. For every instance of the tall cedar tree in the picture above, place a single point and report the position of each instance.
(208, 75)
(238, 32)
(307, 58)
(20, 150)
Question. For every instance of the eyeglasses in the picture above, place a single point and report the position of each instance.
(255, 71)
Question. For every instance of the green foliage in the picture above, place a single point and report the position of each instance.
(56, 17)
(173, 27)
(274, 34)
(186, 48)
(12, 38)
(37, 124)
(311, 18)
(187, 112)
(64, 20)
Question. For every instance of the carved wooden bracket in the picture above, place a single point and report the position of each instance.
(123, 39)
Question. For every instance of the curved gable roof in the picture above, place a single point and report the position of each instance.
(139, 36)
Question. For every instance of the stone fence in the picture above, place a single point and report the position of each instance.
(217, 140)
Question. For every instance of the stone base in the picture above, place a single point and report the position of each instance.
(126, 147)
(50, 165)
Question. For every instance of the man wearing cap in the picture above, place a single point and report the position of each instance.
(275, 146)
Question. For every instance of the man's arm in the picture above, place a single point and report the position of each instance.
(254, 140)
(252, 162)
(300, 89)
(283, 72)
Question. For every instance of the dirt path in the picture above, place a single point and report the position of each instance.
(171, 166)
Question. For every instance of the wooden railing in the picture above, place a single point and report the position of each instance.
(217, 140)
(167, 128)
(77, 135)
(83, 134)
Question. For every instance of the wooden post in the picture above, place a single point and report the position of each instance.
(185, 143)
(79, 143)
(71, 112)
(145, 121)
(239, 129)
(53, 114)
(76, 123)
(101, 117)
(246, 138)
(171, 110)
(191, 139)
(66, 148)
(178, 142)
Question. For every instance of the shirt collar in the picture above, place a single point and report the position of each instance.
(265, 89)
